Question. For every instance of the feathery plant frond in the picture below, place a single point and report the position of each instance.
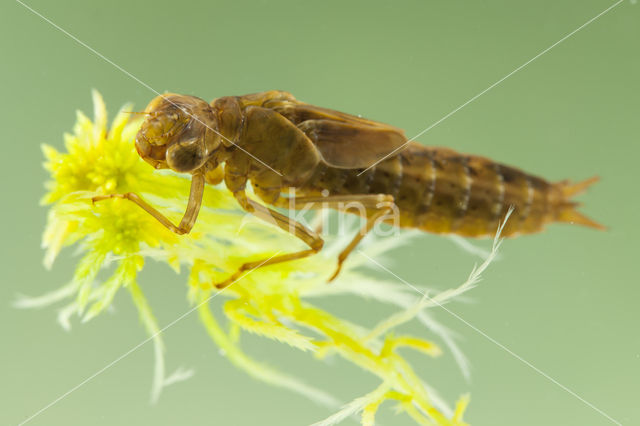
(273, 302)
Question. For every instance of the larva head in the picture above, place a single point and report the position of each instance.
(179, 133)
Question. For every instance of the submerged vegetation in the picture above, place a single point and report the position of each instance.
(275, 302)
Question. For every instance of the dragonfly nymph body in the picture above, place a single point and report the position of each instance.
(332, 159)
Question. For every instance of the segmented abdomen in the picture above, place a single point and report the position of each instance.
(470, 195)
(439, 190)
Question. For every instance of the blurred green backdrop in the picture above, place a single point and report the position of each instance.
(565, 300)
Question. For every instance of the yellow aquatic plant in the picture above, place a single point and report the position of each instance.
(274, 302)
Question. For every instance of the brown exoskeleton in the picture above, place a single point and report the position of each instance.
(331, 158)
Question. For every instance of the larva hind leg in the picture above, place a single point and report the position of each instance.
(381, 210)
(190, 214)
(380, 204)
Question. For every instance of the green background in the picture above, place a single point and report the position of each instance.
(565, 300)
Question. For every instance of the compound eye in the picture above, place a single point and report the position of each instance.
(186, 156)
(142, 146)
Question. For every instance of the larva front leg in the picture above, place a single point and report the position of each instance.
(190, 214)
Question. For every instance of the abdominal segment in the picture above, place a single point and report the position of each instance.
(442, 191)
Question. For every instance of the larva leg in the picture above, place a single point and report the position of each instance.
(380, 203)
(285, 223)
(381, 210)
(190, 215)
